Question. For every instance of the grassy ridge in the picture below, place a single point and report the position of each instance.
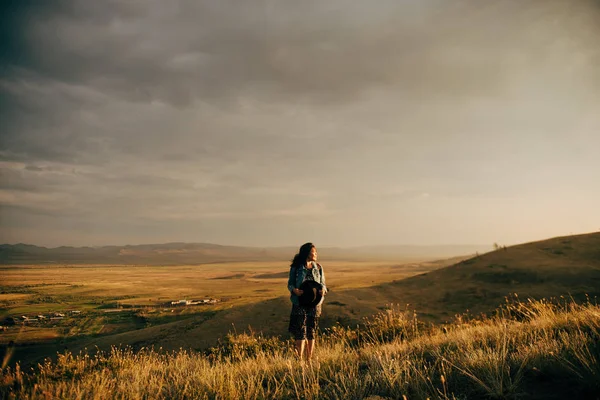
(568, 266)
(533, 349)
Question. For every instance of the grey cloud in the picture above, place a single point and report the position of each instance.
(188, 53)
(180, 52)
(41, 122)
(32, 178)
(155, 194)
(34, 168)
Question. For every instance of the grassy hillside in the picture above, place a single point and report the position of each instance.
(564, 266)
(533, 350)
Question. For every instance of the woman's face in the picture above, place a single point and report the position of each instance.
(312, 256)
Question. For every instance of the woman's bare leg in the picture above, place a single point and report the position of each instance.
(310, 345)
(300, 348)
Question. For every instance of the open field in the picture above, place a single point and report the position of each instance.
(39, 288)
(131, 304)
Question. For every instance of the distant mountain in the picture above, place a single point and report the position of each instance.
(201, 253)
(146, 254)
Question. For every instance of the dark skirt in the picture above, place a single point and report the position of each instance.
(304, 322)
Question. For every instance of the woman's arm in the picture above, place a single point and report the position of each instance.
(292, 280)
(323, 279)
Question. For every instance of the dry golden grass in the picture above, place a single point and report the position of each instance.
(9, 297)
(536, 350)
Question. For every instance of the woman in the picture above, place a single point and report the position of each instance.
(304, 321)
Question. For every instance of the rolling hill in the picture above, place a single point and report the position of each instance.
(563, 266)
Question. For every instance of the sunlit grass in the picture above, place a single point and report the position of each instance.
(543, 347)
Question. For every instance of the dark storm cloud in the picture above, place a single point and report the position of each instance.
(183, 51)
(220, 52)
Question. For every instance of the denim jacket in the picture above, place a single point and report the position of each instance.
(297, 276)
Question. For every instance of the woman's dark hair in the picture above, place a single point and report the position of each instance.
(300, 258)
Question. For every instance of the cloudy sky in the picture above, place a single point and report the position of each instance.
(275, 122)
